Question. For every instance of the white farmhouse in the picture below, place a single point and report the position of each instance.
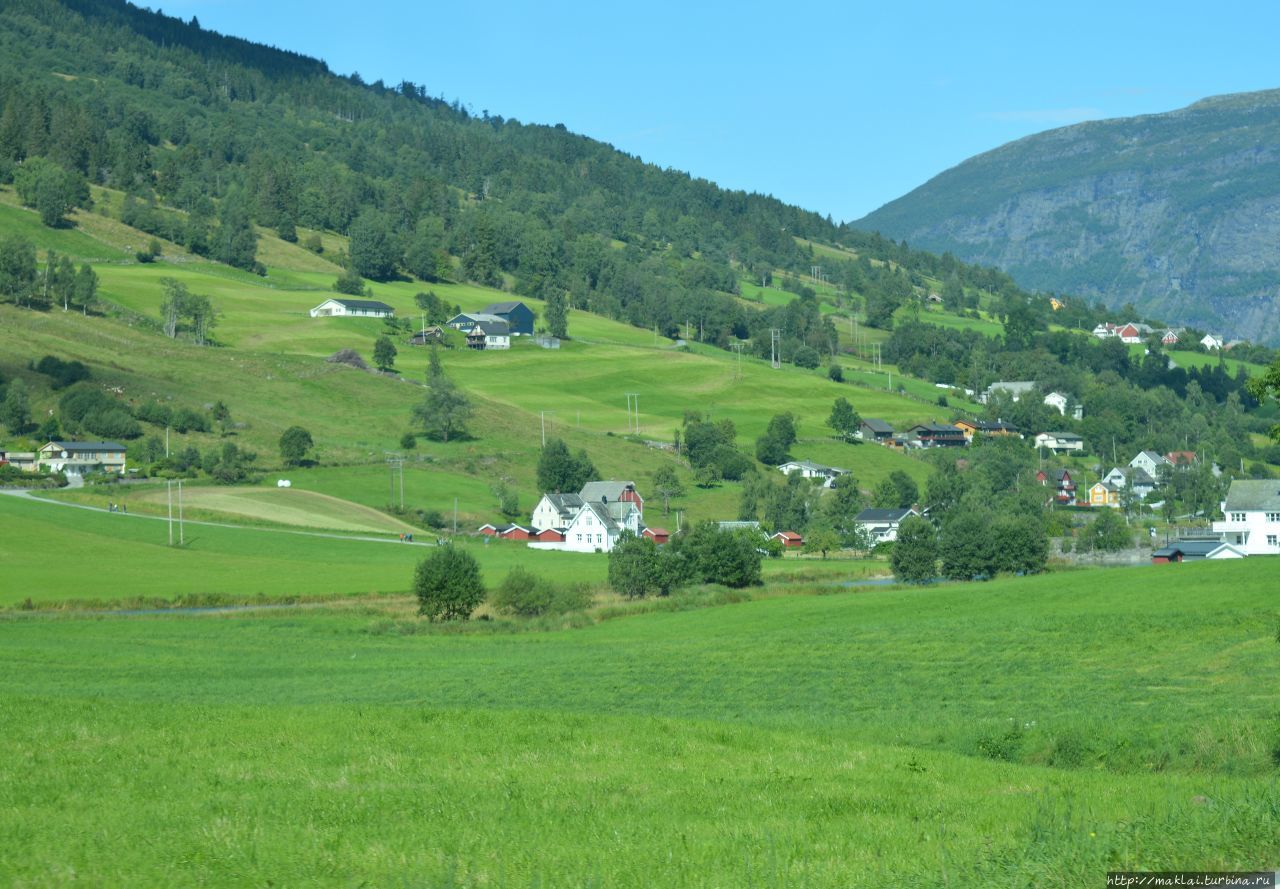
(808, 469)
(1252, 516)
(1060, 442)
(555, 511)
(1060, 401)
(597, 526)
(81, 457)
(1211, 342)
(358, 308)
(1149, 462)
(882, 525)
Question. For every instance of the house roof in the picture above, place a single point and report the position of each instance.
(788, 535)
(1016, 386)
(657, 532)
(1152, 456)
(564, 503)
(1062, 436)
(74, 446)
(1176, 457)
(935, 429)
(738, 526)
(494, 327)
(1195, 549)
(592, 492)
(498, 308)
(883, 515)
(878, 426)
(1140, 476)
(809, 465)
(1107, 485)
(1251, 495)
(361, 304)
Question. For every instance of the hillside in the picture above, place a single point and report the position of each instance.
(1176, 213)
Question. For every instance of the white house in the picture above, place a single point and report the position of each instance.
(1060, 442)
(1142, 483)
(555, 511)
(808, 469)
(1060, 401)
(882, 525)
(1252, 516)
(598, 526)
(1105, 331)
(1149, 462)
(24, 460)
(1211, 342)
(489, 335)
(79, 457)
(360, 308)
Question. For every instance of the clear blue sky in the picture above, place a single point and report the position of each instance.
(836, 107)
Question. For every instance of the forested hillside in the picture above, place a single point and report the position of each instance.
(1177, 213)
(207, 135)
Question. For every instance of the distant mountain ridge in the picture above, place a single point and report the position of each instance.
(1177, 213)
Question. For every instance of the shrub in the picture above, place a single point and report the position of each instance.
(524, 593)
(408, 441)
(835, 373)
(348, 357)
(447, 584)
(807, 357)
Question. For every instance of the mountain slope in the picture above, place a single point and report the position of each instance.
(1178, 213)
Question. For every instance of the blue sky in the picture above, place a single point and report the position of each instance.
(836, 107)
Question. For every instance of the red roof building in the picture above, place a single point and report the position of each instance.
(790, 539)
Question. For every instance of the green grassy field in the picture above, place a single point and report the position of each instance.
(1032, 732)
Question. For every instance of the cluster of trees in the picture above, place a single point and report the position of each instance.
(448, 586)
(27, 283)
(225, 464)
(560, 470)
(711, 449)
(180, 306)
(774, 446)
(705, 554)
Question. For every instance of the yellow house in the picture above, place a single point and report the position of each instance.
(1104, 494)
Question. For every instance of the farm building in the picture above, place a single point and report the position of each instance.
(788, 539)
(24, 460)
(970, 428)
(489, 335)
(357, 308)
(875, 430)
(808, 469)
(1060, 442)
(428, 336)
(936, 435)
(657, 535)
(518, 316)
(1196, 550)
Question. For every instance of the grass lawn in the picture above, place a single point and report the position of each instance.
(1035, 732)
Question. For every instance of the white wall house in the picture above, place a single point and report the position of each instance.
(882, 525)
(357, 308)
(598, 526)
(1060, 442)
(1252, 516)
(555, 511)
(1149, 462)
(1059, 402)
(1211, 342)
(808, 469)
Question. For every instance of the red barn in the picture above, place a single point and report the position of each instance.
(657, 535)
(790, 539)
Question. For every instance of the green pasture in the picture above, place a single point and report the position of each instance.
(939, 318)
(1034, 732)
(1189, 360)
(72, 242)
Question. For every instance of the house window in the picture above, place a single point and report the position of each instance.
(1273, 517)
(580, 539)
(1237, 517)
(1271, 540)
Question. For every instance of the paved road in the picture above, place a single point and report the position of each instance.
(23, 492)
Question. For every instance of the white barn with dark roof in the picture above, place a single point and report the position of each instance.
(358, 308)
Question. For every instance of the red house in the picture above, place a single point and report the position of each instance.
(516, 532)
(657, 535)
(790, 539)
(550, 535)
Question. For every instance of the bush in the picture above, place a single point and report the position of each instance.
(835, 373)
(408, 441)
(63, 373)
(523, 593)
(447, 584)
(349, 357)
(807, 357)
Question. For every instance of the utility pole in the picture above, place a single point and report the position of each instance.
(395, 462)
(169, 488)
(775, 348)
(455, 515)
(544, 426)
(633, 412)
(166, 442)
(737, 347)
(182, 536)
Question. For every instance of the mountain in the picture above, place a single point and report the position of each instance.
(1177, 213)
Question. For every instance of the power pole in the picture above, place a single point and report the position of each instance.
(633, 412)
(775, 348)
(395, 462)
(169, 488)
(182, 537)
(455, 515)
(544, 425)
(737, 347)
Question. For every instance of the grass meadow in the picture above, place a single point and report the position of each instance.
(1031, 732)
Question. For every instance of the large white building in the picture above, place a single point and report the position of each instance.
(1252, 516)
(335, 307)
